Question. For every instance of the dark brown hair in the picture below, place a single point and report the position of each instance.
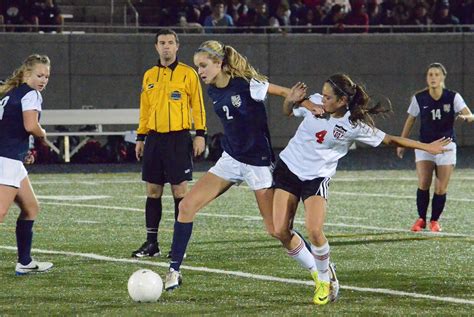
(358, 101)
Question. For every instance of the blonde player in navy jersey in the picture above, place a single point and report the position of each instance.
(437, 108)
(238, 92)
(308, 162)
(20, 107)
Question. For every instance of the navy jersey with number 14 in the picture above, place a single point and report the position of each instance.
(436, 116)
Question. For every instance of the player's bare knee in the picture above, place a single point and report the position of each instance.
(282, 234)
(187, 207)
(29, 212)
(316, 235)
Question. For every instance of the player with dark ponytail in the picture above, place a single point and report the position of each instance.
(308, 162)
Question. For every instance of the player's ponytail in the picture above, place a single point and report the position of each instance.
(233, 63)
(18, 75)
(358, 101)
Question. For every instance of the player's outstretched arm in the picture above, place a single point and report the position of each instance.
(466, 115)
(435, 147)
(278, 90)
(405, 133)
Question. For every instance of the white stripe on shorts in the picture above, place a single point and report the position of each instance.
(323, 189)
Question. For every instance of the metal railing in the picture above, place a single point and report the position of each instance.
(135, 13)
(316, 29)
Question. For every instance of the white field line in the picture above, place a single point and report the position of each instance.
(258, 218)
(72, 198)
(251, 276)
(137, 181)
(392, 196)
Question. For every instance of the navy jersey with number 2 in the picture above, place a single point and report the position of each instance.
(241, 109)
(14, 139)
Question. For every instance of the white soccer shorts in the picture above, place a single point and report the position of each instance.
(256, 177)
(446, 158)
(12, 172)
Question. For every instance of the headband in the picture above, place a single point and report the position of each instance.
(210, 51)
(340, 89)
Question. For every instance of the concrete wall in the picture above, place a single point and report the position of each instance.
(105, 70)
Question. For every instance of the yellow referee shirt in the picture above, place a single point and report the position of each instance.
(171, 100)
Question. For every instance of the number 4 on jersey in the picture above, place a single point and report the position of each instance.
(320, 136)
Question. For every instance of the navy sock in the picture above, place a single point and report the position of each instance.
(24, 237)
(153, 212)
(422, 202)
(181, 235)
(437, 206)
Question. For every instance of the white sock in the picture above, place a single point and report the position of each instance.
(302, 255)
(321, 257)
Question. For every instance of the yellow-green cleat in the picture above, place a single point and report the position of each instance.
(322, 291)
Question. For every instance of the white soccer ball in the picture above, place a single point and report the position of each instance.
(145, 286)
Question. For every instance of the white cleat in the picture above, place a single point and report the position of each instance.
(173, 280)
(33, 267)
(334, 283)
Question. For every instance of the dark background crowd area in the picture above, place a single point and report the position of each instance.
(307, 16)
(265, 16)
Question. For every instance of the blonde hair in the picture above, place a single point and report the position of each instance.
(17, 77)
(233, 63)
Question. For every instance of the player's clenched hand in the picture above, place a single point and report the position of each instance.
(400, 152)
(139, 149)
(198, 145)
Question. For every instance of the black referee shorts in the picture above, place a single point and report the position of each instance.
(168, 157)
(284, 179)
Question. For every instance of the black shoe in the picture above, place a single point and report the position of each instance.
(147, 249)
(169, 255)
(306, 243)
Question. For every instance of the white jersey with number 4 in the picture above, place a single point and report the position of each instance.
(319, 143)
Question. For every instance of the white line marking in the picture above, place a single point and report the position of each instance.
(72, 198)
(392, 196)
(251, 276)
(87, 221)
(258, 218)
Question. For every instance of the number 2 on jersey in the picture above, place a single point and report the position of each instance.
(3, 103)
(320, 136)
(227, 113)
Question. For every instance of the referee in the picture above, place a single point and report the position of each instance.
(170, 103)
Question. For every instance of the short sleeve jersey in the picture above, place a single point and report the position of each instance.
(241, 109)
(319, 143)
(14, 139)
(436, 116)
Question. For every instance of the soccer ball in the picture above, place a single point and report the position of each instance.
(145, 286)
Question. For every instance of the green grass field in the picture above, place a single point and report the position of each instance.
(90, 223)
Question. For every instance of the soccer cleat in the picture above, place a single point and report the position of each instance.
(32, 267)
(173, 280)
(419, 225)
(147, 249)
(322, 292)
(169, 255)
(434, 226)
(334, 283)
